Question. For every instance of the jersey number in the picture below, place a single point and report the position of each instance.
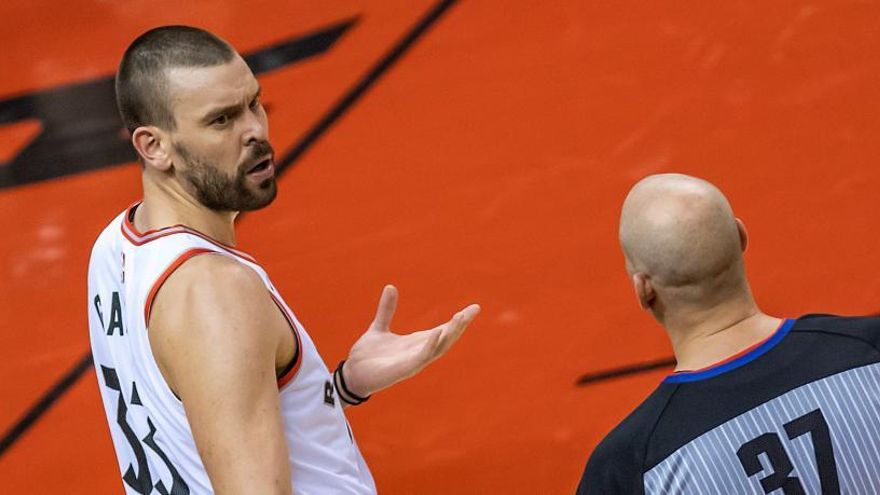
(141, 480)
(771, 445)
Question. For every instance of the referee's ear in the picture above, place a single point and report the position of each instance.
(644, 290)
(743, 234)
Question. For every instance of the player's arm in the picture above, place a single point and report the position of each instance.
(215, 332)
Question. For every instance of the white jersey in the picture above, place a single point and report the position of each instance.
(153, 440)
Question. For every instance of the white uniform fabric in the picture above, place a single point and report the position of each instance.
(153, 441)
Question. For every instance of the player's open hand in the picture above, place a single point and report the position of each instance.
(381, 358)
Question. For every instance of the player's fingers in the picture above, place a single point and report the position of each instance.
(456, 327)
(470, 313)
(386, 308)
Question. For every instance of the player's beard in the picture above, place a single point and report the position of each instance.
(217, 191)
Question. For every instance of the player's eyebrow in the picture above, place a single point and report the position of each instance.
(230, 110)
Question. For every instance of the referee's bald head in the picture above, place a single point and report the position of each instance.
(679, 236)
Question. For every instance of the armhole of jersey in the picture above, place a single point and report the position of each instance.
(148, 305)
(291, 369)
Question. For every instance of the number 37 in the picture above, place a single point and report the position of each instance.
(771, 445)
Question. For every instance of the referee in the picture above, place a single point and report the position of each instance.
(757, 404)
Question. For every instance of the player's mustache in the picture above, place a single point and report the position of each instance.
(257, 152)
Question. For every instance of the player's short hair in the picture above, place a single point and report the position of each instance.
(141, 81)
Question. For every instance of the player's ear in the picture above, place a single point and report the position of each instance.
(743, 234)
(152, 145)
(644, 290)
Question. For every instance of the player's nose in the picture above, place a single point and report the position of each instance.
(256, 128)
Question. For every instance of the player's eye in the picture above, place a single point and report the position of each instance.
(220, 120)
(255, 102)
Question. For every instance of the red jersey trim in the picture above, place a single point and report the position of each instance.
(140, 238)
(148, 305)
(290, 372)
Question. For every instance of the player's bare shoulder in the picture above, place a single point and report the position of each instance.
(213, 307)
(204, 288)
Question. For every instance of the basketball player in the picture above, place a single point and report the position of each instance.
(757, 404)
(209, 382)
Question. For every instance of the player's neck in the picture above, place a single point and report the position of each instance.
(163, 208)
(713, 335)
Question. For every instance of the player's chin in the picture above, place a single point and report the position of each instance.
(262, 194)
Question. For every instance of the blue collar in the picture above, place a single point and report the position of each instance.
(735, 361)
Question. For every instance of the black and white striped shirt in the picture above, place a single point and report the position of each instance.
(797, 413)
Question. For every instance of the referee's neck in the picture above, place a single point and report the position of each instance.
(724, 332)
